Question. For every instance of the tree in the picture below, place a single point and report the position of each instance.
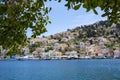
(16, 16)
(111, 8)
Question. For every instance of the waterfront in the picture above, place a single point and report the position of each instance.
(94, 69)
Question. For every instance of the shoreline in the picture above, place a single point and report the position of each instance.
(59, 59)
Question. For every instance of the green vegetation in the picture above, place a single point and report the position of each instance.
(35, 45)
(16, 16)
(111, 8)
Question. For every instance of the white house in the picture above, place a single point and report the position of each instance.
(72, 54)
(82, 45)
(45, 55)
(116, 54)
(104, 52)
(65, 39)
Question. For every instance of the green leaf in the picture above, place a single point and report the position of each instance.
(103, 15)
(59, 0)
(95, 11)
(76, 7)
(88, 9)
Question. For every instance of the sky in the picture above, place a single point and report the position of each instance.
(63, 19)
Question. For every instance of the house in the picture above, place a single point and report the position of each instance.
(58, 55)
(56, 44)
(37, 53)
(64, 39)
(32, 41)
(63, 46)
(100, 38)
(72, 54)
(52, 54)
(82, 45)
(116, 53)
(45, 55)
(100, 56)
(87, 43)
(104, 52)
(25, 50)
(93, 51)
(101, 44)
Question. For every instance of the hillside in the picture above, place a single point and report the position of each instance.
(98, 40)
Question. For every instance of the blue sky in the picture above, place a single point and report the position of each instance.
(63, 19)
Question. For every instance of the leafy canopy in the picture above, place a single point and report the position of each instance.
(111, 8)
(16, 16)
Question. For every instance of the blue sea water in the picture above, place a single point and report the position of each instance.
(97, 69)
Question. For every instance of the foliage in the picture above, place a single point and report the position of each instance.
(68, 49)
(16, 16)
(49, 48)
(34, 46)
(110, 45)
(84, 39)
(111, 8)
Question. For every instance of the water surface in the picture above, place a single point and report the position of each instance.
(98, 69)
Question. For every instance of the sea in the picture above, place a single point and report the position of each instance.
(81, 69)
